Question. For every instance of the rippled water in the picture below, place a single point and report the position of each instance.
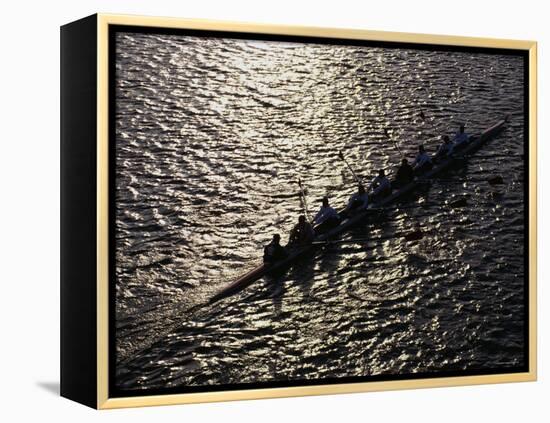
(211, 137)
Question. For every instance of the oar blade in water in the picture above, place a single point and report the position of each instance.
(414, 236)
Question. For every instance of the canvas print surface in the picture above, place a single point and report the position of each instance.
(408, 260)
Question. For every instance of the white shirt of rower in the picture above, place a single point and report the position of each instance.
(270, 249)
(364, 198)
(459, 140)
(379, 184)
(444, 149)
(324, 214)
(422, 159)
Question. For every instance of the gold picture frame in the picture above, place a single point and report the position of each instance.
(100, 360)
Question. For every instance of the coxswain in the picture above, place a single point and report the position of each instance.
(326, 217)
(460, 140)
(444, 149)
(273, 251)
(302, 233)
(423, 162)
(380, 186)
(404, 175)
(357, 202)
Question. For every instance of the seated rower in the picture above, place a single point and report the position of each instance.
(380, 186)
(273, 251)
(302, 233)
(423, 162)
(326, 218)
(444, 149)
(460, 140)
(404, 176)
(357, 202)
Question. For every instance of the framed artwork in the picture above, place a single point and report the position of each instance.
(254, 211)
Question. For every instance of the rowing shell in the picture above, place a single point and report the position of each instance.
(261, 270)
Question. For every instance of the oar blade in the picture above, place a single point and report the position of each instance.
(414, 236)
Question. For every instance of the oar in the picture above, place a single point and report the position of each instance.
(341, 155)
(396, 145)
(409, 236)
(304, 201)
(423, 115)
(424, 118)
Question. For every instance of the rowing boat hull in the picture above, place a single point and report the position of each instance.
(263, 269)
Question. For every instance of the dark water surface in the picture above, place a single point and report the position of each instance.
(211, 137)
